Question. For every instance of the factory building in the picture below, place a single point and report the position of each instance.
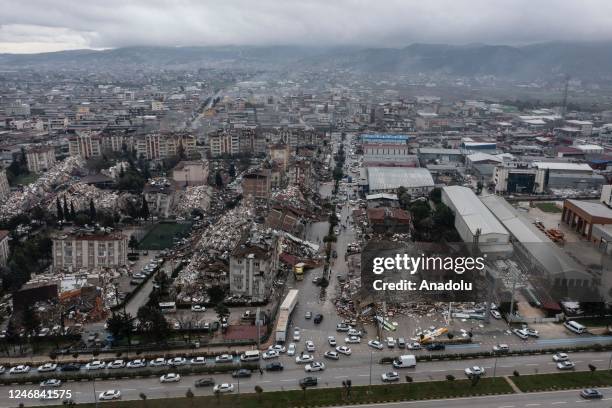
(417, 181)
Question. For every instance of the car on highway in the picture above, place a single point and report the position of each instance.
(375, 344)
(177, 361)
(331, 340)
(310, 346)
(95, 365)
(70, 367)
(475, 371)
(496, 314)
(352, 340)
(296, 334)
(20, 369)
(332, 355)
(158, 362)
(138, 363)
(291, 349)
(560, 357)
(270, 354)
(591, 393)
(304, 358)
(501, 348)
(344, 350)
(223, 388)
(47, 367)
(314, 366)
(278, 347)
(170, 377)
(521, 334)
(390, 376)
(308, 315)
(198, 360)
(241, 373)
(390, 342)
(318, 318)
(342, 327)
(566, 365)
(414, 346)
(435, 347)
(275, 366)
(204, 382)
(109, 395)
(116, 364)
(224, 358)
(51, 382)
(308, 382)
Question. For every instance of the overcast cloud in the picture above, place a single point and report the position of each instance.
(51, 25)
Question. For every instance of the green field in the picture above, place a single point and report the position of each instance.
(579, 379)
(162, 235)
(548, 207)
(330, 396)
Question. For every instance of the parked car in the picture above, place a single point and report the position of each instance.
(310, 347)
(344, 350)
(496, 314)
(308, 315)
(158, 362)
(304, 358)
(521, 334)
(278, 347)
(275, 366)
(270, 354)
(401, 342)
(95, 365)
(435, 347)
(224, 358)
(51, 382)
(47, 367)
(177, 361)
(318, 318)
(70, 367)
(352, 340)
(414, 346)
(375, 344)
(138, 363)
(501, 348)
(390, 342)
(332, 355)
(296, 334)
(116, 364)
(198, 360)
(332, 341)
(314, 366)
(291, 349)
(342, 327)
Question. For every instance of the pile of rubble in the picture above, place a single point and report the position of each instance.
(42, 190)
(194, 197)
(81, 194)
(293, 197)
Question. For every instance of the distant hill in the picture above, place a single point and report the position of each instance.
(580, 60)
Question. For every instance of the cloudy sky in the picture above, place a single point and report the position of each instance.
(28, 26)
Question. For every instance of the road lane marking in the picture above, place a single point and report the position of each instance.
(506, 406)
(532, 405)
(293, 379)
(558, 403)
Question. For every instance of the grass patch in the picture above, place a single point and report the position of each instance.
(578, 379)
(25, 179)
(330, 396)
(548, 207)
(162, 235)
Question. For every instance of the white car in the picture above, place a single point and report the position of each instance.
(496, 314)
(95, 365)
(522, 334)
(170, 377)
(474, 371)
(2, 369)
(20, 369)
(315, 366)
(532, 332)
(110, 395)
(223, 388)
(375, 344)
(224, 358)
(270, 354)
(560, 357)
(304, 358)
(501, 348)
(332, 355)
(291, 349)
(198, 360)
(116, 364)
(414, 346)
(566, 365)
(51, 382)
(278, 347)
(332, 341)
(45, 368)
(138, 363)
(310, 347)
(158, 362)
(352, 340)
(296, 334)
(354, 332)
(198, 308)
(390, 376)
(177, 361)
(390, 342)
(344, 350)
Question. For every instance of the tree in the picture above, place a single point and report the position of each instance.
(450, 377)
(72, 212)
(218, 179)
(81, 219)
(189, 395)
(258, 391)
(143, 397)
(30, 320)
(403, 197)
(120, 325)
(216, 294)
(443, 216)
(92, 211)
(133, 243)
(144, 209)
(436, 195)
(592, 368)
(59, 209)
(222, 311)
(65, 208)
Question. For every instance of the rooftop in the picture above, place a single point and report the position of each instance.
(386, 178)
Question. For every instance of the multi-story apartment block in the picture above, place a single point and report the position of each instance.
(40, 158)
(156, 146)
(257, 184)
(89, 250)
(190, 173)
(85, 144)
(4, 247)
(5, 189)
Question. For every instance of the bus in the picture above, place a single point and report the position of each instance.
(575, 327)
(167, 307)
(250, 355)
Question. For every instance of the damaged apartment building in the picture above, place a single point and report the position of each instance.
(254, 265)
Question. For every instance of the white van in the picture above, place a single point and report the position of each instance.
(575, 327)
(251, 355)
(405, 361)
